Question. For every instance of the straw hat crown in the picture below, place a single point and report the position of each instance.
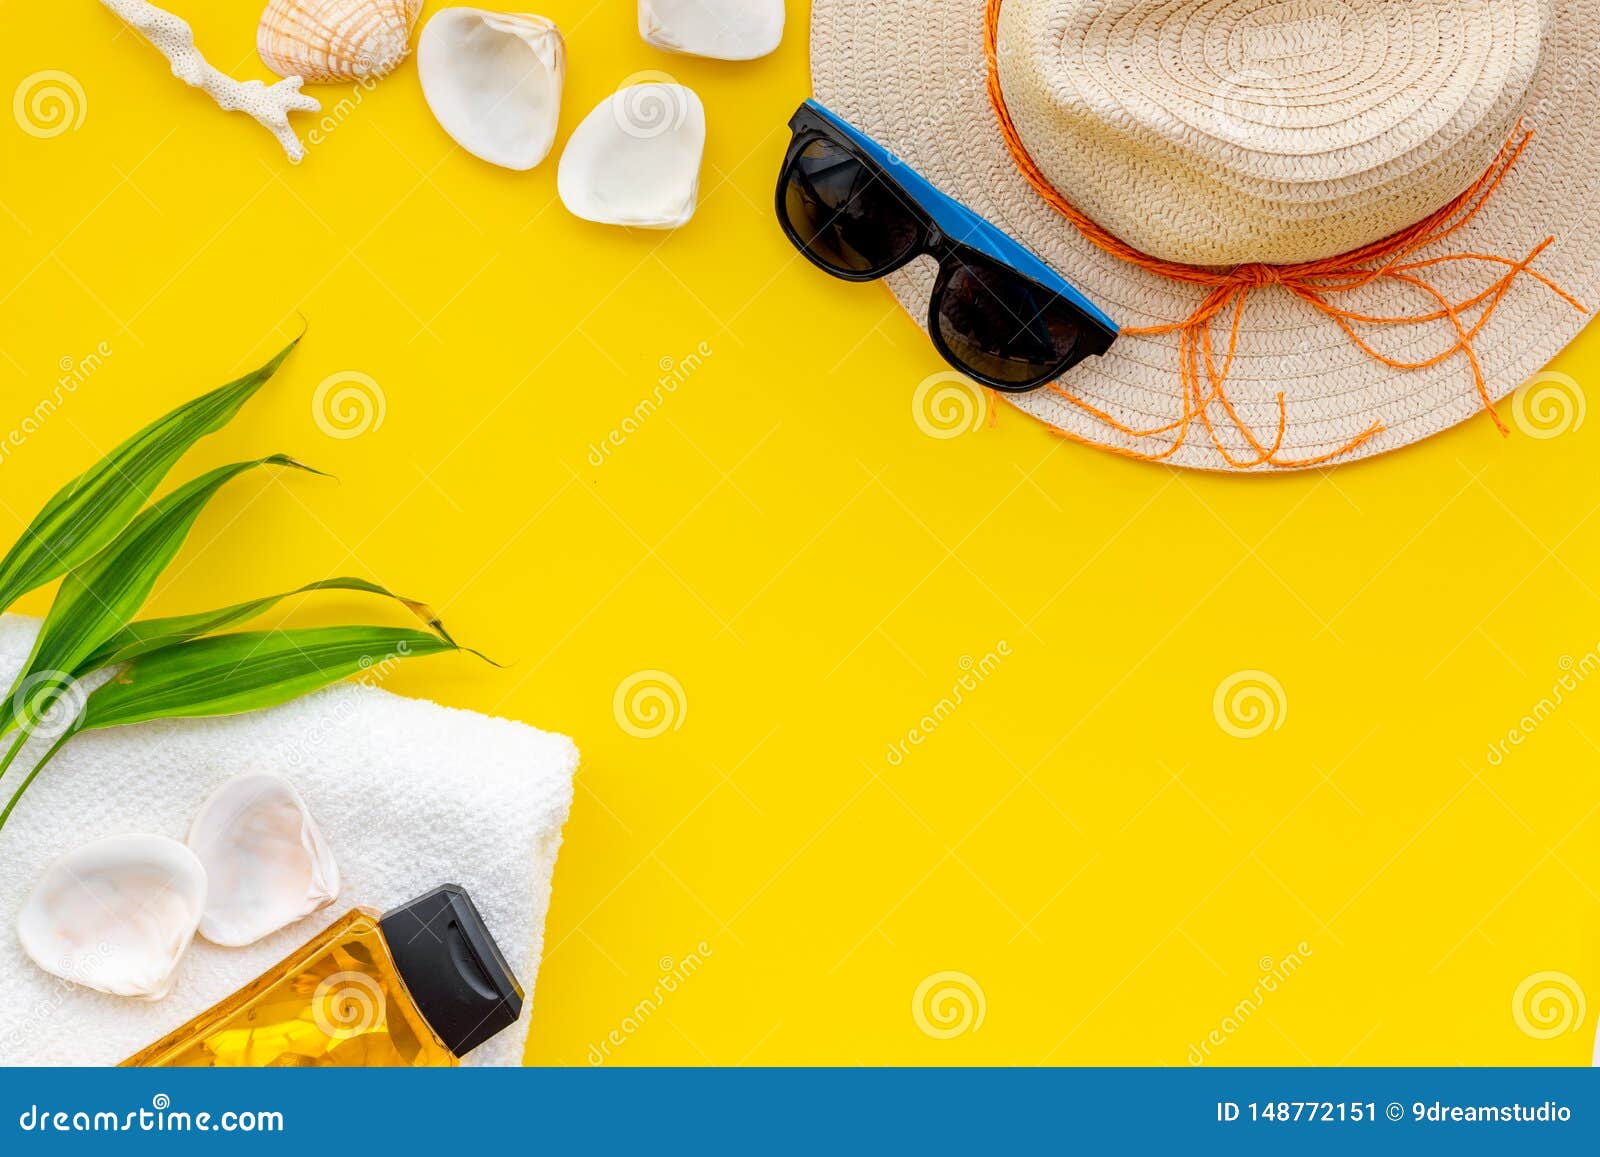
(1223, 132)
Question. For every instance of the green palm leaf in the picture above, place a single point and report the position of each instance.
(97, 532)
(88, 512)
(99, 598)
(140, 638)
(230, 674)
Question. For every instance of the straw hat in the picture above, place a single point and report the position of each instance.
(1303, 164)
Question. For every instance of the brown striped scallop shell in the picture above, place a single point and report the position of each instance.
(325, 41)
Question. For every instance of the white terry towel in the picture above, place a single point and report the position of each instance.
(408, 793)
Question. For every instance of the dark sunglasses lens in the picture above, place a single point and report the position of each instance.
(845, 215)
(1005, 328)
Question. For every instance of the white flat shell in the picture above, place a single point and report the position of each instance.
(265, 859)
(493, 81)
(635, 160)
(116, 914)
(721, 29)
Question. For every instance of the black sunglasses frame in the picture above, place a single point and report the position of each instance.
(953, 256)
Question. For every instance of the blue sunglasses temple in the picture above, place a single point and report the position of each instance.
(960, 223)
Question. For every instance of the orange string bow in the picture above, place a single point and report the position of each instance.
(1314, 282)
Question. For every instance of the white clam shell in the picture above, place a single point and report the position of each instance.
(721, 29)
(325, 41)
(493, 81)
(265, 859)
(116, 914)
(635, 160)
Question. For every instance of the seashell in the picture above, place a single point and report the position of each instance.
(116, 914)
(721, 29)
(493, 81)
(265, 859)
(325, 41)
(635, 160)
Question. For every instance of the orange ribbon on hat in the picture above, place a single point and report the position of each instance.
(1315, 282)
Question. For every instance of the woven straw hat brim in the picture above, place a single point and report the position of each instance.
(911, 73)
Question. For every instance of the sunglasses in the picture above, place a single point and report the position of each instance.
(998, 313)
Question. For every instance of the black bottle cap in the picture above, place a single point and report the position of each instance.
(459, 980)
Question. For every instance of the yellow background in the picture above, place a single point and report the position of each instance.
(1080, 838)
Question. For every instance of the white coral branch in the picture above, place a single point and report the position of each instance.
(269, 104)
